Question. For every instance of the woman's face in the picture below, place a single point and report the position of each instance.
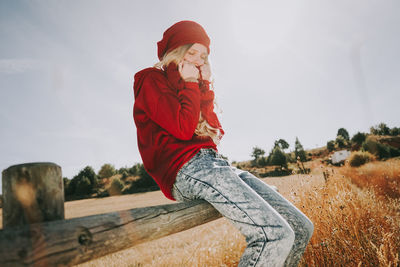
(197, 55)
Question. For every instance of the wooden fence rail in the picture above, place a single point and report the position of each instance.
(77, 240)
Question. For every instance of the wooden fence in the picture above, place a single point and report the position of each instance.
(36, 234)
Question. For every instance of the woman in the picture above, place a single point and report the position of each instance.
(178, 132)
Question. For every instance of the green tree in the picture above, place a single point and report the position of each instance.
(383, 129)
(344, 133)
(395, 131)
(257, 153)
(299, 151)
(359, 138)
(330, 145)
(107, 170)
(90, 174)
(143, 184)
(66, 182)
(282, 144)
(83, 186)
(277, 157)
(79, 187)
(341, 141)
(380, 129)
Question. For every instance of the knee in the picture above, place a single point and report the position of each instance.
(306, 225)
(283, 234)
(286, 239)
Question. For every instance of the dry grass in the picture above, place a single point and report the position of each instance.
(382, 176)
(354, 224)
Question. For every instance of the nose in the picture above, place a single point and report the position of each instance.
(199, 61)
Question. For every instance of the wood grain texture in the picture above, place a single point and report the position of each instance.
(32, 193)
(69, 242)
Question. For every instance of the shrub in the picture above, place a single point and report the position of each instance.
(330, 145)
(83, 186)
(344, 133)
(107, 170)
(115, 187)
(378, 149)
(360, 158)
(299, 152)
(277, 172)
(257, 154)
(359, 138)
(143, 184)
(341, 141)
(89, 173)
(277, 157)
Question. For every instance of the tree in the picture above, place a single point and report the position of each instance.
(341, 141)
(107, 170)
(78, 184)
(383, 129)
(344, 133)
(380, 129)
(257, 153)
(358, 138)
(282, 144)
(83, 186)
(299, 151)
(277, 157)
(330, 145)
(90, 174)
(395, 131)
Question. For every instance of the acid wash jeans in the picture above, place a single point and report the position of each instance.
(276, 232)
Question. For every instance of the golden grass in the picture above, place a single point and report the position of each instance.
(382, 176)
(354, 224)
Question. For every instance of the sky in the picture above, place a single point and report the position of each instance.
(281, 69)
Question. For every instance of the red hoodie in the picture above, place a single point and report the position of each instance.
(166, 118)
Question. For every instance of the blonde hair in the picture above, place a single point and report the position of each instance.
(203, 127)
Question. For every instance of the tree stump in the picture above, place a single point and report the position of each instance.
(32, 193)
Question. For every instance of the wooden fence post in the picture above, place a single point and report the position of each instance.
(32, 193)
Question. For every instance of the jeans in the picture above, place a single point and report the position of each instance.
(276, 232)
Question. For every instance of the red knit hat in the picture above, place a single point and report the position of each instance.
(181, 33)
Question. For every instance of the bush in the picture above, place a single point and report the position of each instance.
(83, 186)
(115, 187)
(277, 157)
(360, 158)
(277, 173)
(378, 149)
(89, 173)
(344, 133)
(341, 141)
(107, 170)
(359, 138)
(330, 145)
(143, 184)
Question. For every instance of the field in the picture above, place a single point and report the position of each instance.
(355, 211)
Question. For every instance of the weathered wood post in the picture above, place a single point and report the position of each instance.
(32, 193)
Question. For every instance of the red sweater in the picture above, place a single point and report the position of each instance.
(166, 118)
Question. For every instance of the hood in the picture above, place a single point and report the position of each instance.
(139, 78)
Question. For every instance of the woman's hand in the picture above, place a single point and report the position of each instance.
(205, 72)
(189, 72)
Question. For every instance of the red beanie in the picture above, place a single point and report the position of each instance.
(181, 33)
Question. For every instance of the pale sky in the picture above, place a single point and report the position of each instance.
(282, 69)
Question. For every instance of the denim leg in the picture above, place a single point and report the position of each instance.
(269, 237)
(301, 225)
